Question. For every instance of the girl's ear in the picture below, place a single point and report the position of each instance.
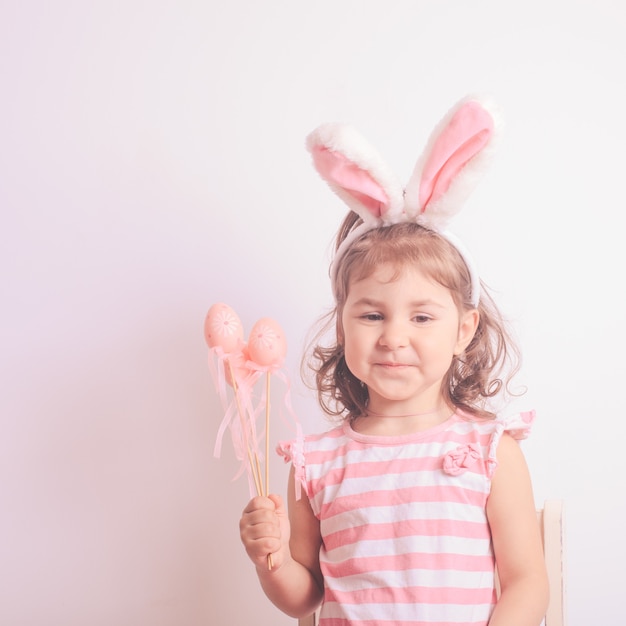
(467, 329)
(356, 173)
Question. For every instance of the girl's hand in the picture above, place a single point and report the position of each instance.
(264, 530)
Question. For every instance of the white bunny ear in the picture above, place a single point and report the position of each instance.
(356, 173)
(455, 157)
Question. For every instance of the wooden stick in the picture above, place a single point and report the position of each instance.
(270, 562)
(267, 435)
(258, 473)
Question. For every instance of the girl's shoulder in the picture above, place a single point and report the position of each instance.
(518, 425)
(293, 449)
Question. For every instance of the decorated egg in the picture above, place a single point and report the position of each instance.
(267, 345)
(222, 327)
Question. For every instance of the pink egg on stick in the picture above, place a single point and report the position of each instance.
(223, 331)
(267, 345)
(265, 351)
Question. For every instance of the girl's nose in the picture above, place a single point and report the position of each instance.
(394, 335)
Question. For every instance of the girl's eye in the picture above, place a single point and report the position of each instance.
(372, 317)
(421, 319)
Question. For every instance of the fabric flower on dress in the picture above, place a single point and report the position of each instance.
(459, 460)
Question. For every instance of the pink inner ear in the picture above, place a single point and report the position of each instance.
(463, 138)
(335, 168)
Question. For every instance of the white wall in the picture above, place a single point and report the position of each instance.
(152, 163)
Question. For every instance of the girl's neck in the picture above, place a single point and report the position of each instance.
(387, 424)
(371, 413)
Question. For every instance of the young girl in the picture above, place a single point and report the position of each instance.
(399, 515)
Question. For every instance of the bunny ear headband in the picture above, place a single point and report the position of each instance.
(455, 156)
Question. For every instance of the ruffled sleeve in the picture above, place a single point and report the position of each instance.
(518, 426)
(293, 451)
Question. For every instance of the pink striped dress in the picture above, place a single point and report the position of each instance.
(405, 537)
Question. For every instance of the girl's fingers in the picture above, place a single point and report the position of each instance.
(260, 528)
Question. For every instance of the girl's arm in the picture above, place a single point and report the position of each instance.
(516, 541)
(294, 583)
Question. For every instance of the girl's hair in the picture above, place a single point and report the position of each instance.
(474, 378)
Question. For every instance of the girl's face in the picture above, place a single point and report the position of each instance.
(400, 334)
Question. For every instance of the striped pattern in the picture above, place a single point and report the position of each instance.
(404, 542)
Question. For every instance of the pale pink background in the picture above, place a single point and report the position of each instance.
(152, 163)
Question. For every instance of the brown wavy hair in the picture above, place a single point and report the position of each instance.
(475, 377)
